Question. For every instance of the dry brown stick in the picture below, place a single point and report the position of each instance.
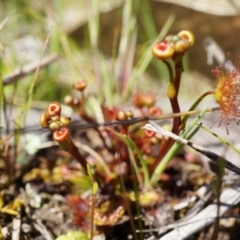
(28, 69)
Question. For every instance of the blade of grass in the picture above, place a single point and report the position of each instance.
(135, 185)
(143, 164)
(123, 46)
(222, 140)
(146, 17)
(93, 22)
(67, 50)
(4, 21)
(108, 89)
(26, 106)
(129, 55)
(134, 166)
(93, 26)
(130, 144)
(144, 61)
(98, 157)
(129, 211)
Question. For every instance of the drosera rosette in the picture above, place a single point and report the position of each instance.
(58, 124)
(227, 93)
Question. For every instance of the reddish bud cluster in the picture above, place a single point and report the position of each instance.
(141, 100)
(173, 45)
(53, 120)
(122, 115)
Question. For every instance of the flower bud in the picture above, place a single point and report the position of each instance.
(65, 121)
(54, 108)
(53, 126)
(55, 118)
(163, 50)
(61, 135)
(44, 120)
(187, 35)
(121, 115)
(182, 46)
(141, 100)
(80, 85)
(129, 114)
(68, 100)
(149, 100)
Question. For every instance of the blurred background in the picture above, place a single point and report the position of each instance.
(74, 28)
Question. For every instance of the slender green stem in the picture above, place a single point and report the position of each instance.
(222, 140)
(91, 169)
(134, 166)
(144, 165)
(132, 146)
(92, 215)
(185, 118)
